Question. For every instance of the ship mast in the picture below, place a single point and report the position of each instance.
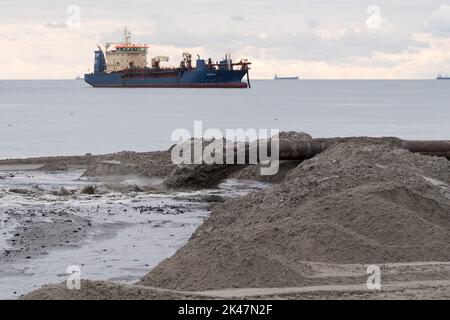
(126, 36)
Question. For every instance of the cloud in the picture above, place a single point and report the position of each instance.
(312, 23)
(439, 22)
(56, 25)
(237, 17)
(429, 58)
(56, 53)
(315, 39)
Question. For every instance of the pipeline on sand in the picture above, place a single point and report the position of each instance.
(302, 150)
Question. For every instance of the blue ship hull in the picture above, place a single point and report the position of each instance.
(169, 78)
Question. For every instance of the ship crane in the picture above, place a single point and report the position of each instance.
(157, 60)
(187, 61)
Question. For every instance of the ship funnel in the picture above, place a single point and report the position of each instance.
(100, 63)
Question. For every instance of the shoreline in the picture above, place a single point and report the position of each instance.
(53, 216)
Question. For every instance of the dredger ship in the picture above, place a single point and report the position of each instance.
(125, 65)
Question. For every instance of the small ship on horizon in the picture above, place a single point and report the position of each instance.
(126, 66)
(441, 77)
(285, 78)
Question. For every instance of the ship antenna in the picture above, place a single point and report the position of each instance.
(126, 35)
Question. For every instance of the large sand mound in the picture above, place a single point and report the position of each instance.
(357, 202)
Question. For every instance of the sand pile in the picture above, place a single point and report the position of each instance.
(360, 201)
(101, 290)
(150, 164)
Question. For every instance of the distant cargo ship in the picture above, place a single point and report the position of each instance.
(126, 66)
(285, 78)
(440, 77)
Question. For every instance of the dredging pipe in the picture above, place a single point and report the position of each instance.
(439, 148)
(302, 150)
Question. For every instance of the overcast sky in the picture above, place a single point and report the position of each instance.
(323, 39)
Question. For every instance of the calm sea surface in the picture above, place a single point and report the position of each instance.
(39, 118)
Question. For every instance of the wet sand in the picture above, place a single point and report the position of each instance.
(49, 222)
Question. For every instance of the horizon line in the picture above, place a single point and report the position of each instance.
(254, 79)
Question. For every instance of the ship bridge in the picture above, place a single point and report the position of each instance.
(126, 55)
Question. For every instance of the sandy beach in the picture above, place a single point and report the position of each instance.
(142, 228)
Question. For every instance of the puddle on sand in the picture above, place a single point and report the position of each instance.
(130, 233)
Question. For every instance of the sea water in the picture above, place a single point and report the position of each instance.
(68, 117)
